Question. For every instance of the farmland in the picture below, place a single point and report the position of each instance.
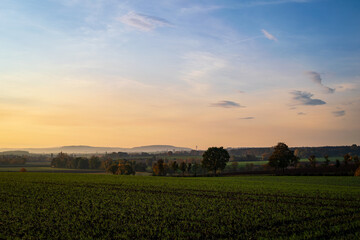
(58, 205)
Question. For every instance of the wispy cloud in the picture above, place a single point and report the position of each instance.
(227, 104)
(246, 118)
(347, 87)
(305, 98)
(200, 9)
(200, 68)
(205, 8)
(268, 35)
(339, 113)
(301, 113)
(143, 22)
(316, 77)
(275, 2)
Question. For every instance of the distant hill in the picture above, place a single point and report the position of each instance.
(89, 149)
(158, 148)
(17, 153)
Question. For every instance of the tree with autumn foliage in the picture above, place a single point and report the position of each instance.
(160, 168)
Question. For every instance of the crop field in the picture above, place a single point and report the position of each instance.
(88, 206)
(46, 169)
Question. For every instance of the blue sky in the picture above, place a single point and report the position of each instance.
(232, 73)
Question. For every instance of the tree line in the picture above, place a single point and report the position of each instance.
(12, 160)
(63, 160)
(214, 159)
(20, 158)
(302, 152)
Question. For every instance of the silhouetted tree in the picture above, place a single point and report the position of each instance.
(195, 167)
(215, 158)
(327, 161)
(83, 163)
(140, 166)
(337, 163)
(182, 167)
(94, 162)
(188, 167)
(281, 157)
(174, 166)
(312, 160)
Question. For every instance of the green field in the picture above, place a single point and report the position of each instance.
(44, 169)
(88, 206)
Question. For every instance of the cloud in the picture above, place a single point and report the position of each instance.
(339, 113)
(275, 2)
(301, 113)
(246, 118)
(305, 98)
(268, 35)
(227, 104)
(200, 9)
(143, 22)
(316, 77)
(347, 87)
(200, 69)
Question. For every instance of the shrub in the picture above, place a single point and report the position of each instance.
(357, 172)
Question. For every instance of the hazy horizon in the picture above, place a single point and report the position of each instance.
(211, 73)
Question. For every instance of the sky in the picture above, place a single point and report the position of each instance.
(232, 73)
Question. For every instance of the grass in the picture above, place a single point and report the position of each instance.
(30, 168)
(87, 206)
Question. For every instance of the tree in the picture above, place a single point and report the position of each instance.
(160, 168)
(295, 160)
(112, 168)
(174, 166)
(347, 159)
(356, 160)
(83, 163)
(60, 161)
(281, 157)
(215, 158)
(125, 168)
(312, 160)
(357, 172)
(195, 167)
(94, 162)
(140, 166)
(188, 167)
(337, 163)
(327, 161)
(182, 167)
